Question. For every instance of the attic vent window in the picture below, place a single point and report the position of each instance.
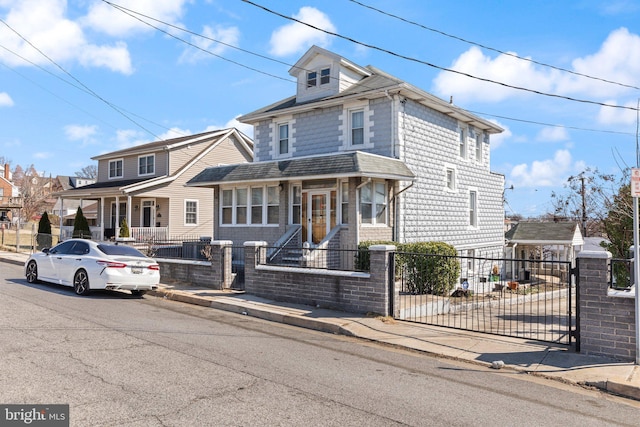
(312, 78)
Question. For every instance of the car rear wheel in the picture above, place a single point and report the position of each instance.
(81, 283)
(138, 293)
(32, 272)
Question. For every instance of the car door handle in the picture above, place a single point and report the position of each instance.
(78, 259)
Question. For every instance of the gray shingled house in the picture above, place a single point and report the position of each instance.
(357, 154)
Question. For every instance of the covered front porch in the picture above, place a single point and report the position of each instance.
(146, 218)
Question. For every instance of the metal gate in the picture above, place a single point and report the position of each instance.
(532, 299)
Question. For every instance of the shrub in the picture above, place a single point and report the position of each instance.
(124, 228)
(81, 226)
(44, 238)
(431, 267)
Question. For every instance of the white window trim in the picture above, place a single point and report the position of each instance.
(345, 127)
(109, 168)
(234, 206)
(374, 222)
(479, 137)
(476, 216)
(274, 128)
(318, 71)
(290, 207)
(465, 130)
(448, 167)
(197, 202)
(154, 164)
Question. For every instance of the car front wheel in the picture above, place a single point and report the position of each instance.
(81, 283)
(32, 272)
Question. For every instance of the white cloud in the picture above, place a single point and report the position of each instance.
(114, 22)
(545, 173)
(618, 59)
(44, 25)
(129, 138)
(42, 155)
(294, 38)
(81, 133)
(504, 68)
(242, 127)
(227, 35)
(618, 116)
(5, 100)
(552, 134)
(498, 139)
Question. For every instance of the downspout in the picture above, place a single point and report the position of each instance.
(396, 211)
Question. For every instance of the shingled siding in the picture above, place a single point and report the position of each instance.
(428, 210)
(339, 290)
(606, 323)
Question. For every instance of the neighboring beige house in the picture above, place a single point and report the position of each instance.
(145, 185)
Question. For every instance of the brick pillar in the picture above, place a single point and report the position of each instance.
(379, 256)
(606, 323)
(221, 263)
(253, 251)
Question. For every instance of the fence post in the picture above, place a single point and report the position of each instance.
(380, 276)
(221, 262)
(253, 252)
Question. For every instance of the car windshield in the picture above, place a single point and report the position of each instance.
(120, 250)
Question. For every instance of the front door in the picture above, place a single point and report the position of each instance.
(317, 216)
(148, 213)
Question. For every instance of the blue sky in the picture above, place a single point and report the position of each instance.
(80, 78)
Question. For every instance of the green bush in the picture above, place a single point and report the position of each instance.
(44, 238)
(429, 267)
(81, 226)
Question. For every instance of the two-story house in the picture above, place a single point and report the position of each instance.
(357, 154)
(9, 195)
(145, 185)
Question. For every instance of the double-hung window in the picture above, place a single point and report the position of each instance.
(463, 143)
(451, 179)
(373, 203)
(478, 147)
(312, 78)
(146, 165)
(283, 139)
(473, 208)
(344, 201)
(115, 168)
(325, 76)
(357, 127)
(250, 205)
(191, 212)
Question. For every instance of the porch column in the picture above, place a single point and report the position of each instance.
(101, 215)
(117, 218)
(61, 200)
(129, 211)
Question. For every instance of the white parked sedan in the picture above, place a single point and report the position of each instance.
(87, 265)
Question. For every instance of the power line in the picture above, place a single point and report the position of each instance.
(130, 12)
(419, 61)
(491, 48)
(80, 88)
(78, 81)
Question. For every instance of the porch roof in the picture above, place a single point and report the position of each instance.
(545, 233)
(351, 164)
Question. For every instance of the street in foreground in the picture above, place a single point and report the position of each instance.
(122, 360)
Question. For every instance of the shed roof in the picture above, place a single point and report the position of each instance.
(545, 233)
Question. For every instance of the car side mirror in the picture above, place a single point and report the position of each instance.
(45, 251)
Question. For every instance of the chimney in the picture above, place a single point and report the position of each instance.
(7, 172)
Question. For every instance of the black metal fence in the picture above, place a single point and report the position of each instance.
(531, 299)
(317, 258)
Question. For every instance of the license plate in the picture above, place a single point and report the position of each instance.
(136, 270)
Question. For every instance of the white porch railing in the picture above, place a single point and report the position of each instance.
(66, 232)
(149, 233)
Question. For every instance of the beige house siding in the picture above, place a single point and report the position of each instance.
(130, 166)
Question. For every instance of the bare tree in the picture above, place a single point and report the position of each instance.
(90, 171)
(33, 189)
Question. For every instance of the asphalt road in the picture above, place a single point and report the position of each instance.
(124, 361)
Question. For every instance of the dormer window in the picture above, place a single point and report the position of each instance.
(312, 78)
(325, 76)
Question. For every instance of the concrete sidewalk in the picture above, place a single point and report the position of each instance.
(534, 357)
